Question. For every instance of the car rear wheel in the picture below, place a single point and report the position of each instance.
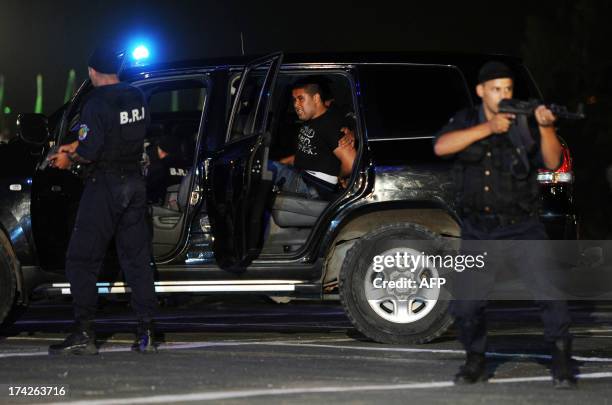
(378, 297)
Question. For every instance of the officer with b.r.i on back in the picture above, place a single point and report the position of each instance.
(111, 134)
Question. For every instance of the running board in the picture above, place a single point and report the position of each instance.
(218, 286)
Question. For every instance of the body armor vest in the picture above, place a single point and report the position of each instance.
(491, 177)
(123, 146)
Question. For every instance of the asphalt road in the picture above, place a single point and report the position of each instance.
(239, 351)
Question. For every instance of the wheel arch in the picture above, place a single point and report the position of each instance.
(368, 218)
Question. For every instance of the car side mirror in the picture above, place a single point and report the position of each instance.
(33, 128)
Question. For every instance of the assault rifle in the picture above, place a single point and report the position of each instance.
(513, 106)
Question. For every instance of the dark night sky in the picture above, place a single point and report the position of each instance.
(49, 37)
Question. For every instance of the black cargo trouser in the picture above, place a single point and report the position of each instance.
(112, 204)
(528, 263)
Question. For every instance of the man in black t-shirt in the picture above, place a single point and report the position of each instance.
(319, 158)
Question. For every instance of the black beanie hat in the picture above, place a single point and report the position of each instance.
(494, 70)
(105, 60)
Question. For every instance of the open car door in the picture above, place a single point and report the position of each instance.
(237, 177)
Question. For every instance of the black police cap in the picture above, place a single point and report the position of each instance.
(494, 70)
(105, 60)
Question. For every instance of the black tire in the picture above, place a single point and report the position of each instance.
(352, 288)
(8, 283)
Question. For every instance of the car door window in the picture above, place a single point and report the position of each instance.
(249, 115)
(411, 101)
(175, 108)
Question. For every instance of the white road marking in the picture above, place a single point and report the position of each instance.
(190, 345)
(538, 331)
(197, 345)
(165, 346)
(233, 394)
(591, 336)
(591, 330)
(445, 351)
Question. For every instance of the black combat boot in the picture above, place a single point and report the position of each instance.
(145, 338)
(81, 341)
(473, 370)
(561, 368)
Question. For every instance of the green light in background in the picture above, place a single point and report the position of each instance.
(174, 103)
(7, 110)
(38, 107)
(69, 85)
(1, 90)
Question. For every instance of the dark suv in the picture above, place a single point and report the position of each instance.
(225, 229)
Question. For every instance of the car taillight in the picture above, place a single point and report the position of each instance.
(563, 174)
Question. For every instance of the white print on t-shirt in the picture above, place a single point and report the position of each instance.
(304, 141)
(137, 115)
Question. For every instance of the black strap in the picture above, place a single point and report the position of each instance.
(521, 139)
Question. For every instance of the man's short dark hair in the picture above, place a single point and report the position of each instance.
(314, 85)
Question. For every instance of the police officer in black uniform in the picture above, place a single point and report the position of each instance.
(166, 168)
(111, 133)
(495, 171)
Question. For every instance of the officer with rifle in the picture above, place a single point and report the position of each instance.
(497, 156)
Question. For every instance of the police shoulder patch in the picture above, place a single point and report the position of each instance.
(83, 130)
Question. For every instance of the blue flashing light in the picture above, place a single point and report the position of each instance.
(140, 52)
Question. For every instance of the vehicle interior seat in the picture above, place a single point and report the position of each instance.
(167, 223)
(295, 210)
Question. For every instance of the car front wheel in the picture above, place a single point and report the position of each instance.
(383, 291)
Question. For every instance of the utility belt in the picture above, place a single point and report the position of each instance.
(489, 222)
(122, 168)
